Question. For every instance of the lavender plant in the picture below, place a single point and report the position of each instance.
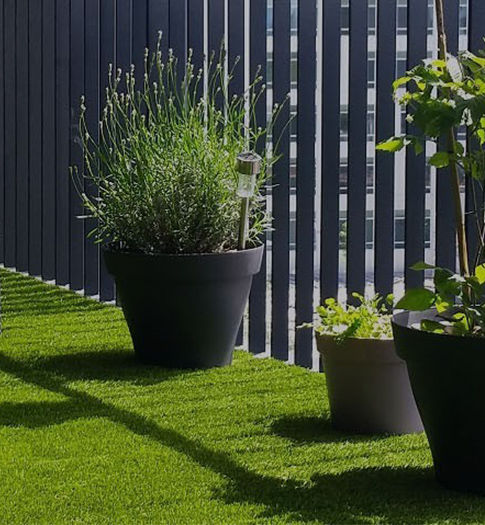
(164, 164)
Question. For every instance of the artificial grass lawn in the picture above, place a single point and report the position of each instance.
(89, 436)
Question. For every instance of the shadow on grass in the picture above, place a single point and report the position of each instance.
(312, 429)
(38, 414)
(105, 365)
(397, 495)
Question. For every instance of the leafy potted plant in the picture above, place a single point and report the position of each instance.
(368, 385)
(441, 333)
(167, 202)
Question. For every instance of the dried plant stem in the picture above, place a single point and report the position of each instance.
(455, 181)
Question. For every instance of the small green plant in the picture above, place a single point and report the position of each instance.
(369, 319)
(163, 167)
(458, 301)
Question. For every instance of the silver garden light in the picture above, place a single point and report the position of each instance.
(248, 165)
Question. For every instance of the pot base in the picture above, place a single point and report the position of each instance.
(446, 374)
(368, 387)
(184, 311)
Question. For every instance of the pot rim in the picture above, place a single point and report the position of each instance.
(402, 322)
(182, 255)
(362, 339)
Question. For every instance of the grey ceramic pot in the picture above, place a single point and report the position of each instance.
(368, 387)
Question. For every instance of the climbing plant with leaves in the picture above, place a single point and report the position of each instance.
(440, 97)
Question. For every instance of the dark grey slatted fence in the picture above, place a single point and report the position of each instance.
(22, 110)
(415, 165)
(305, 179)
(330, 208)
(445, 224)
(356, 217)
(77, 89)
(196, 34)
(473, 190)
(385, 124)
(111, 12)
(53, 51)
(257, 63)
(280, 245)
(10, 132)
(35, 138)
(236, 55)
(91, 92)
(47, 166)
(2, 139)
(63, 122)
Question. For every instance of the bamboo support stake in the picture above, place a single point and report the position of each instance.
(455, 180)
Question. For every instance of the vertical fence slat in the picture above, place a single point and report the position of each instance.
(62, 143)
(357, 144)
(195, 28)
(35, 137)
(158, 14)
(107, 56)
(124, 39)
(257, 63)
(22, 178)
(10, 133)
(216, 26)
(178, 31)
(139, 38)
(305, 182)
(475, 43)
(445, 224)
(91, 92)
(235, 45)
(329, 260)
(415, 164)
(2, 137)
(384, 184)
(48, 141)
(76, 68)
(281, 83)
(235, 40)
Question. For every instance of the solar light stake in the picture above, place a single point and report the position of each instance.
(248, 165)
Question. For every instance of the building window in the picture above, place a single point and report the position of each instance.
(343, 176)
(463, 17)
(402, 17)
(400, 229)
(371, 117)
(371, 69)
(344, 122)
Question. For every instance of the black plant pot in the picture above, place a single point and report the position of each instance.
(447, 376)
(184, 311)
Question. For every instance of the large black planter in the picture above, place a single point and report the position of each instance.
(184, 311)
(447, 376)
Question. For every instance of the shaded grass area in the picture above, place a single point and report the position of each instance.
(88, 435)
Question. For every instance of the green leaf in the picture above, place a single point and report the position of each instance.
(432, 326)
(421, 265)
(459, 148)
(417, 299)
(441, 159)
(447, 283)
(392, 145)
(399, 82)
(480, 273)
(442, 305)
(418, 147)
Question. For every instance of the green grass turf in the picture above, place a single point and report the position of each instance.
(89, 436)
